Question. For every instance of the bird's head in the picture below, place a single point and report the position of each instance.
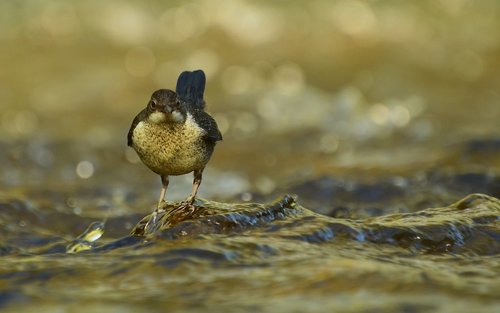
(165, 107)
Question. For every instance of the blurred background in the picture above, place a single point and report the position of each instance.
(300, 90)
(362, 108)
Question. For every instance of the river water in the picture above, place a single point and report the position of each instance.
(359, 172)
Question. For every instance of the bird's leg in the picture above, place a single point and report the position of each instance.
(164, 182)
(196, 185)
(152, 220)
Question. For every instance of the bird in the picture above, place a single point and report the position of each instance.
(173, 135)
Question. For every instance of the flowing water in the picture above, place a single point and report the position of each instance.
(359, 172)
(251, 257)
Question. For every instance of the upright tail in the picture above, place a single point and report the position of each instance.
(190, 87)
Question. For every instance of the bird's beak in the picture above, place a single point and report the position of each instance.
(167, 109)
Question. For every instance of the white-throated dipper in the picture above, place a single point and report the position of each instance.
(173, 135)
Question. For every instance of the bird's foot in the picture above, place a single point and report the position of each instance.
(190, 200)
(160, 206)
(153, 219)
(148, 228)
(187, 203)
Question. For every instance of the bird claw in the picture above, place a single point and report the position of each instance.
(151, 224)
(187, 203)
(148, 228)
(153, 220)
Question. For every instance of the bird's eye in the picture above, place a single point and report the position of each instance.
(152, 104)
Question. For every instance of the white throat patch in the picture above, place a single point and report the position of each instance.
(160, 117)
(177, 117)
(157, 117)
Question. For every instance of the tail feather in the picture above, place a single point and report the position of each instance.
(191, 86)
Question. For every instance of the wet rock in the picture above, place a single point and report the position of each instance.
(214, 217)
(469, 225)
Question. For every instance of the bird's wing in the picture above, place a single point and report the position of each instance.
(208, 124)
(136, 121)
(190, 88)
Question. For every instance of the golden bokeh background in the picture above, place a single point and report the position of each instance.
(298, 88)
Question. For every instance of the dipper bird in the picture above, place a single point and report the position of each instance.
(173, 135)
